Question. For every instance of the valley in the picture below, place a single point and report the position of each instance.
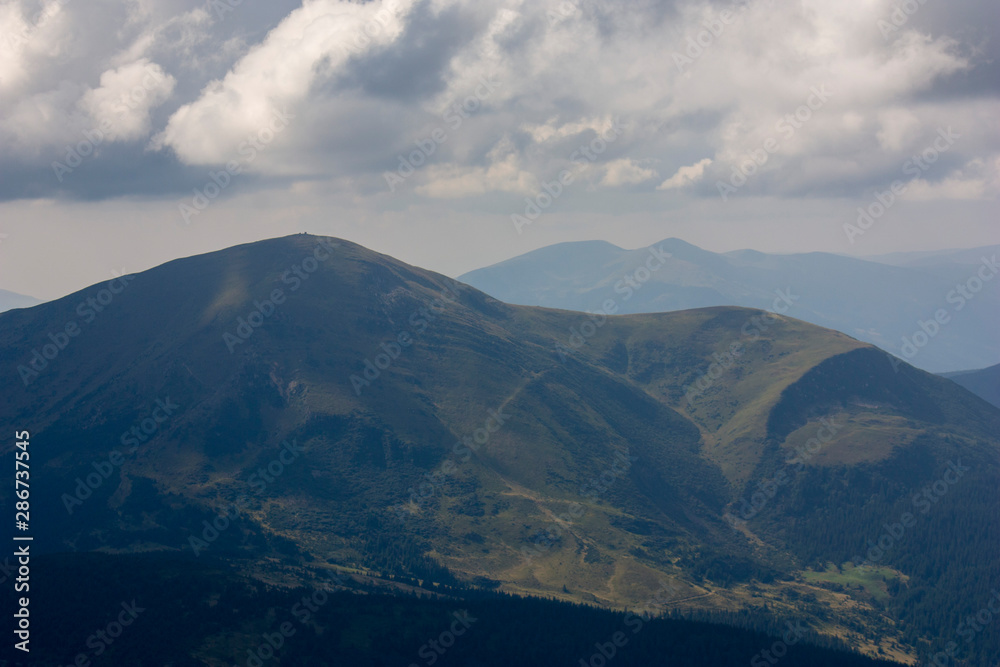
(479, 458)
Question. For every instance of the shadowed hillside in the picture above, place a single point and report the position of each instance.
(309, 401)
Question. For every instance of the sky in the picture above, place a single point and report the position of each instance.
(453, 134)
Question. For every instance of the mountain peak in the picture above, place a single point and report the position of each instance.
(363, 412)
(11, 300)
(815, 283)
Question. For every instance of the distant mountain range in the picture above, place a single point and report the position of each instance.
(936, 258)
(984, 383)
(891, 303)
(9, 300)
(304, 404)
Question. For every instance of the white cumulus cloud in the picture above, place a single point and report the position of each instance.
(686, 175)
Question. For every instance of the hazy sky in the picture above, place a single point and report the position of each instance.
(114, 114)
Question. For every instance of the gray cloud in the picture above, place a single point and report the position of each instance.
(362, 83)
(414, 67)
(561, 62)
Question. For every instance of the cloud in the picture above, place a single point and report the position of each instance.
(686, 175)
(278, 74)
(126, 96)
(504, 174)
(979, 179)
(27, 36)
(553, 129)
(898, 128)
(365, 80)
(64, 63)
(760, 69)
(626, 171)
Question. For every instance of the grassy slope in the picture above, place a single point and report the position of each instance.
(623, 391)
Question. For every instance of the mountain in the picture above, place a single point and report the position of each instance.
(984, 383)
(305, 404)
(936, 258)
(9, 300)
(893, 307)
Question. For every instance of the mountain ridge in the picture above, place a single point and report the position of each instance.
(832, 291)
(11, 300)
(536, 504)
(984, 382)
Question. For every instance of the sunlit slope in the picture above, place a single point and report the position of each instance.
(361, 411)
